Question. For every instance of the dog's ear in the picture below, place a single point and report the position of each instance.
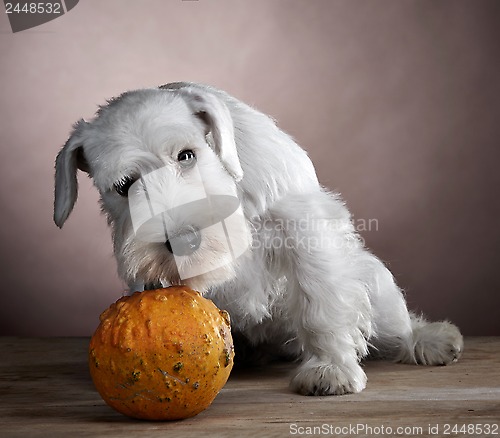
(217, 118)
(69, 159)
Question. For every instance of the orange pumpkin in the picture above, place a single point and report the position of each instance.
(162, 354)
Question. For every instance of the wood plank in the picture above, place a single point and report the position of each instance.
(46, 391)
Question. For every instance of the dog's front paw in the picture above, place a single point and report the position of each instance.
(328, 379)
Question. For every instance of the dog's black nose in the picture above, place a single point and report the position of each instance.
(185, 242)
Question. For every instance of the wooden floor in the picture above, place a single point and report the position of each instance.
(46, 391)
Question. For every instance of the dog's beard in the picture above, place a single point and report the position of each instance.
(154, 266)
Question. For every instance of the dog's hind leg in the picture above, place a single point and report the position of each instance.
(432, 343)
(401, 335)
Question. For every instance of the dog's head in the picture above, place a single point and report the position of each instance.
(166, 166)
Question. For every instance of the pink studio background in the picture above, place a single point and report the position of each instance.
(397, 103)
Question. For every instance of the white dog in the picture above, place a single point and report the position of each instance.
(203, 190)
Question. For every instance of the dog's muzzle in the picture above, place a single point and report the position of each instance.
(185, 242)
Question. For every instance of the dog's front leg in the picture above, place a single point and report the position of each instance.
(327, 302)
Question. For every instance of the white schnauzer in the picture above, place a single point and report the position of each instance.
(203, 190)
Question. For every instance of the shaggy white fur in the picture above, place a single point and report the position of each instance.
(201, 189)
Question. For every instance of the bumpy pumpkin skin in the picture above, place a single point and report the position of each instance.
(162, 354)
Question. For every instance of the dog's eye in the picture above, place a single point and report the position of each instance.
(186, 158)
(123, 185)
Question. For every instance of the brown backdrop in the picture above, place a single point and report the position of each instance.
(397, 103)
